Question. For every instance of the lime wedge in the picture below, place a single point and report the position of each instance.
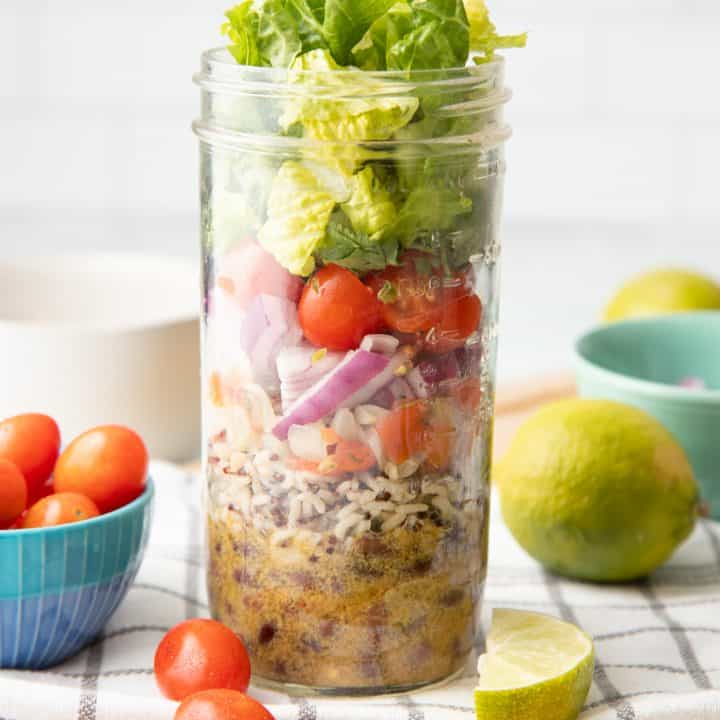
(536, 667)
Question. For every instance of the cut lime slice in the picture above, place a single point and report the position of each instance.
(536, 667)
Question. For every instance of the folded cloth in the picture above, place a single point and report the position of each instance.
(657, 642)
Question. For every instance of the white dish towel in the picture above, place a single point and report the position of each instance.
(657, 642)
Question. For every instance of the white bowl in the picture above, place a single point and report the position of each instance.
(93, 339)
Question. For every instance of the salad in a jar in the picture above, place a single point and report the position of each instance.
(349, 347)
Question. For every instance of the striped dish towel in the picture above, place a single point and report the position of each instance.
(657, 642)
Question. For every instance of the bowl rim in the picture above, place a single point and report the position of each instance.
(117, 262)
(637, 385)
(139, 502)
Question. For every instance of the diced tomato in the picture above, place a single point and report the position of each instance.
(419, 429)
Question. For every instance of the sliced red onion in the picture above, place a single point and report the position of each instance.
(306, 442)
(359, 370)
(401, 390)
(345, 425)
(270, 324)
(302, 367)
(370, 414)
(385, 344)
(383, 398)
(366, 392)
(417, 382)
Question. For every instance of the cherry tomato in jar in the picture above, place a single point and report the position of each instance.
(418, 297)
(60, 509)
(198, 655)
(32, 442)
(337, 310)
(221, 705)
(13, 493)
(107, 464)
(459, 319)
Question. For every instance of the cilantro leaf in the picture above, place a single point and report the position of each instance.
(355, 250)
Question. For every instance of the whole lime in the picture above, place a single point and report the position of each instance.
(662, 292)
(597, 490)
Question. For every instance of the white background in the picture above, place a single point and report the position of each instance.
(613, 166)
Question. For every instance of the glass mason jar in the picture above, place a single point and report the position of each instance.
(350, 242)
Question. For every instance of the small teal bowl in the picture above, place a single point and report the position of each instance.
(641, 362)
(60, 585)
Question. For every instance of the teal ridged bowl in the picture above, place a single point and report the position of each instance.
(60, 585)
(641, 362)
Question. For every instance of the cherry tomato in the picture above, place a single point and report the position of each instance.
(336, 310)
(221, 705)
(39, 492)
(459, 319)
(200, 655)
(413, 294)
(13, 493)
(418, 429)
(32, 442)
(60, 509)
(108, 464)
(420, 298)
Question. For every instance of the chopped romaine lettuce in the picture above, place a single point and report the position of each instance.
(365, 115)
(440, 37)
(242, 28)
(370, 208)
(371, 53)
(374, 34)
(346, 21)
(483, 36)
(265, 33)
(428, 208)
(299, 209)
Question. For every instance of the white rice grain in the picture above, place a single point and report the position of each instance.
(347, 510)
(411, 508)
(345, 525)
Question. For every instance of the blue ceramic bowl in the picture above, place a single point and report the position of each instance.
(640, 362)
(60, 585)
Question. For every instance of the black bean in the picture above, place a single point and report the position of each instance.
(267, 633)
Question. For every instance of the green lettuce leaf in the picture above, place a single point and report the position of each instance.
(346, 21)
(364, 113)
(483, 35)
(355, 250)
(370, 208)
(309, 16)
(241, 28)
(263, 33)
(299, 208)
(371, 53)
(440, 38)
(428, 209)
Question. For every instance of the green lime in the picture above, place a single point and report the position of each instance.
(597, 490)
(663, 292)
(536, 667)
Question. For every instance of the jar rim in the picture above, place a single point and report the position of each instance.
(220, 70)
